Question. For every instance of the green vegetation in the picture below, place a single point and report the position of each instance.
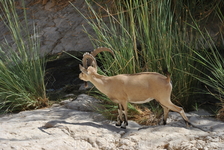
(21, 67)
(213, 63)
(157, 36)
(154, 35)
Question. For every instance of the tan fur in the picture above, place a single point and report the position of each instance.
(134, 88)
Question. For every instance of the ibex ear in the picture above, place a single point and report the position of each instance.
(94, 65)
(82, 69)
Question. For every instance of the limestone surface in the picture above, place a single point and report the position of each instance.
(68, 127)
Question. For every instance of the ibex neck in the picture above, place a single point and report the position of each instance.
(99, 81)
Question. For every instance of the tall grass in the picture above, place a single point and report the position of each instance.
(212, 61)
(213, 75)
(158, 36)
(147, 36)
(21, 67)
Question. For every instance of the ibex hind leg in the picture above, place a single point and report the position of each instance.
(187, 122)
(165, 114)
(180, 110)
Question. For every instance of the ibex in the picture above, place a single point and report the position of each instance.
(134, 88)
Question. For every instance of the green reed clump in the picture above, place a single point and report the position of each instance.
(209, 57)
(21, 67)
(152, 36)
(146, 36)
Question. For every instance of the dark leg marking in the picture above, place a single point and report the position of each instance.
(124, 114)
(120, 116)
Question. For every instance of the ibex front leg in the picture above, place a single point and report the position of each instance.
(122, 116)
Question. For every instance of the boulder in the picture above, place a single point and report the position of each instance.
(59, 29)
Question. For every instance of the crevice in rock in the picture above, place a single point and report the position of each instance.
(61, 76)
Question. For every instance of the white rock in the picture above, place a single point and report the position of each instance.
(83, 103)
(64, 128)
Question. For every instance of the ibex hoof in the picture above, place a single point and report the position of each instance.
(123, 127)
(118, 124)
(164, 122)
(188, 124)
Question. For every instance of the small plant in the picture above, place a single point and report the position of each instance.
(196, 107)
(21, 66)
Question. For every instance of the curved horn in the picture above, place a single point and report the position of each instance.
(86, 58)
(101, 49)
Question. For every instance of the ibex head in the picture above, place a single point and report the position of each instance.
(87, 70)
(89, 63)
